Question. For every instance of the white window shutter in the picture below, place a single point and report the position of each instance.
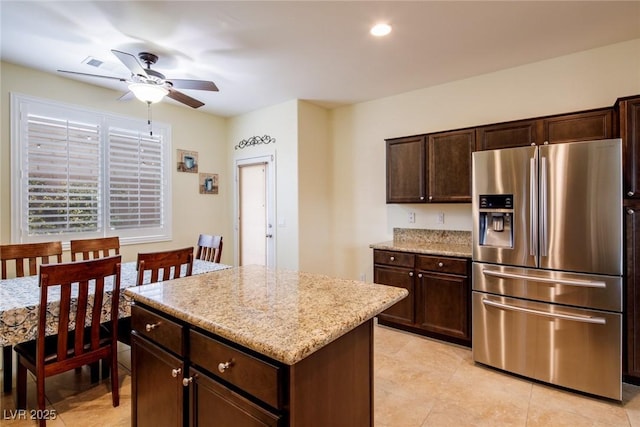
(135, 180)
(62, 165)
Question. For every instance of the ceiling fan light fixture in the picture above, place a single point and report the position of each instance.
(148, 93)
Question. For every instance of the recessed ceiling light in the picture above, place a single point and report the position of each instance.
(380, 30)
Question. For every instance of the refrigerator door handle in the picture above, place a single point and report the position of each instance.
(584, 319)
(570, 282)
(544, 240)
(533, 207)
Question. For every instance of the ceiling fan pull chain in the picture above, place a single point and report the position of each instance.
(149, 118)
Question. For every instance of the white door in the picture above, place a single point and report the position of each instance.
(255, 233)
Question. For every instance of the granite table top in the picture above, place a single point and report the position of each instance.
(285, 315)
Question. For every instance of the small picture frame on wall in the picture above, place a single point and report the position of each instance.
(208, 183)
(187, 161)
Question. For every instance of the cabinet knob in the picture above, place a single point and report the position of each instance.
(421, 197)
(411, 274)
(630, 193)
(630, 211)
(533, 143)
(440, 264)
(546, 143)
(175, 372)
(151, 326)
(392, 258)
(223, 366)
(430, 197)
(420, 275)
(187, 381)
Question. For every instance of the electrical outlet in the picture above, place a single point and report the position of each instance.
(412, 217)
(440, 217)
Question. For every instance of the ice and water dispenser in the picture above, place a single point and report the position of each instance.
(496, 220)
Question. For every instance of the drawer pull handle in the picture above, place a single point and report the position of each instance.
(151, 326)
(175, 372)
(187, 381)
(440, 264)
(392, 258)
(577, 318)
(222, 367)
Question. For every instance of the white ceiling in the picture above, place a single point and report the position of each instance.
(265, 52)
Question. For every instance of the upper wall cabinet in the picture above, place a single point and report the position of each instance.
(629, 116)
(507, 135)
(449, 165)
(430, 168)
(406, 173)
(582, 126)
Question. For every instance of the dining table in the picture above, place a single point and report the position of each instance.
(20, 300)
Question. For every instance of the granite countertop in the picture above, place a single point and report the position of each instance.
(446, 249)
(429, 242)
(285, 315)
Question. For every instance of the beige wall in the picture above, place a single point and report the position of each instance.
(191, 130)
(279, 122)
(585, 80)
(315, 188)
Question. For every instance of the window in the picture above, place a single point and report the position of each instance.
(81, 174)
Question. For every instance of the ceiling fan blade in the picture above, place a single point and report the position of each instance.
(127, 96)
(185, 99)
(94, 75)
(194, 84)
(130, 62)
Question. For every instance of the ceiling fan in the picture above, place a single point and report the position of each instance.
(151, 86)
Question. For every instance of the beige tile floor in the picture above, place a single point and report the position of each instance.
(418, 382)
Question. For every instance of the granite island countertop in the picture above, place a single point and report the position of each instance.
(429, 242)
(285, 315)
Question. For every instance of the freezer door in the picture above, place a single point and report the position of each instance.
(509, 171)
(576, 289)
(574, 348)
(581, 207)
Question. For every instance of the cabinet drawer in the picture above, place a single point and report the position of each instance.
(158, 328)
(257, 377)
(442, 264)
(400, 259)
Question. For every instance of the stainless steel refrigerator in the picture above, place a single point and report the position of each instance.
(547, 263)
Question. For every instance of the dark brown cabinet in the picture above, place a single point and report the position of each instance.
(406, 170)
(506, 135)
(182, 375)
(632, 286)
(442, 296)
(156, 388)
(430, 168)
(582, 126)
(449, 165)
(438, 304)
(628, 110)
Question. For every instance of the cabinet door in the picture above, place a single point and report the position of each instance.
(630, 133)
(449, 165)
(586, 126)
(406, 180)
(632, 285)
(403, 310)
(214, 405)
(157, 394)
(442, 304)
(511, 134)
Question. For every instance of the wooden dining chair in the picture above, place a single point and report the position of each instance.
(209, 248)
(155, 267)
(34, 254)
(80, 339)
(94, 248)
(164, 265)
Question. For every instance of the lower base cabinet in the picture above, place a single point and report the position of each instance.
(183, 376)
(439, 301)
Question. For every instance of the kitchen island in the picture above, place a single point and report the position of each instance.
(255, 347)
